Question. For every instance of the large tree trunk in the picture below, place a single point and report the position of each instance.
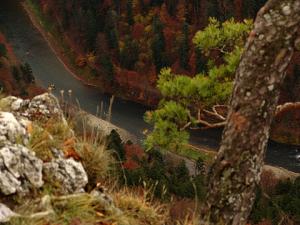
(237, 168)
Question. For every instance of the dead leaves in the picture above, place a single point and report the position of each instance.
(69, 149)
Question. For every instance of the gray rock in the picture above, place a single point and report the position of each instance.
(11, 129)
(14, 104)
(45, 106)
(105, 201)
(41, 107)
(6, 213)
(20, 169)
(69, 173)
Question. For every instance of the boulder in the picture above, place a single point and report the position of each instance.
(44, 107)
(41, 107)
(68, 173)
(286, 124)
(20, 169)
(12, 130)
(13, 104)
(6, 213)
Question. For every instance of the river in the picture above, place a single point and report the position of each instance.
(30, 47)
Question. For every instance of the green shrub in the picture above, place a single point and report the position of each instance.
(16, 73)
(115, 144)
(166, 178)
(3, 50)
(284, 202)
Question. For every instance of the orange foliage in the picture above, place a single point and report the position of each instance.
(182, 208)
(170, 35)
(69, 150)
(81, 61)
(265, 222)
(132, 151)
(268, 181)
(138, 31)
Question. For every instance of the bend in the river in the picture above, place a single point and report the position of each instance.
(30, 47)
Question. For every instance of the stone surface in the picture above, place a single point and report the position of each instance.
(286, 124)
(105, 201)
(45, 106)
(20, 169)
(12, 130)
(6, 213)
(13, 104)
(41, 107)
(69, 173)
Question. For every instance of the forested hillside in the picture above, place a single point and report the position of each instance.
(201, 63)
(124, 44)
(15, 78)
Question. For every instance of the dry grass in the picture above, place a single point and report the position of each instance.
(138, 205)
(46, 137)
(96, 159)
(140, 208)
(41, 142)
(82, 209)
(4, 104)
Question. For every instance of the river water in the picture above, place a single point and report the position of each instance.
(30, 47)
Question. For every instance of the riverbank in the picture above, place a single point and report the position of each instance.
(85, 122)
(127, 115)
(192, 151)
(13, 80)
(53, 45)
(58, 48)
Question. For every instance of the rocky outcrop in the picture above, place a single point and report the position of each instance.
(41, 107)
(67, 172)
(286, 124)
(6, 213)
(12, 130)
(21, 170)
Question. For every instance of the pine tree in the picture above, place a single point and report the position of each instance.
(227, 11)
(130, 19)
(183, 97)
(156, 2)
(236, 171)
(196, 8)
(90, 30)
(103, 58)
(3, 50)
(27, 73)
(184, 47)
(16, 73)
(212, 9)
(129, 54)
(111, 31)
(172, 6)
(201, 62)
(115, 144)
(117, 4)
(143, 7)
(158, 44)
(249, 8)
(108, 66)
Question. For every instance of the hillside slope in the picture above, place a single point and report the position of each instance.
(15, 78)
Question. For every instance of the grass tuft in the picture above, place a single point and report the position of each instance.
(97, 161)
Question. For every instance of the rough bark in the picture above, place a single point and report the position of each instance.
(238, 165)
